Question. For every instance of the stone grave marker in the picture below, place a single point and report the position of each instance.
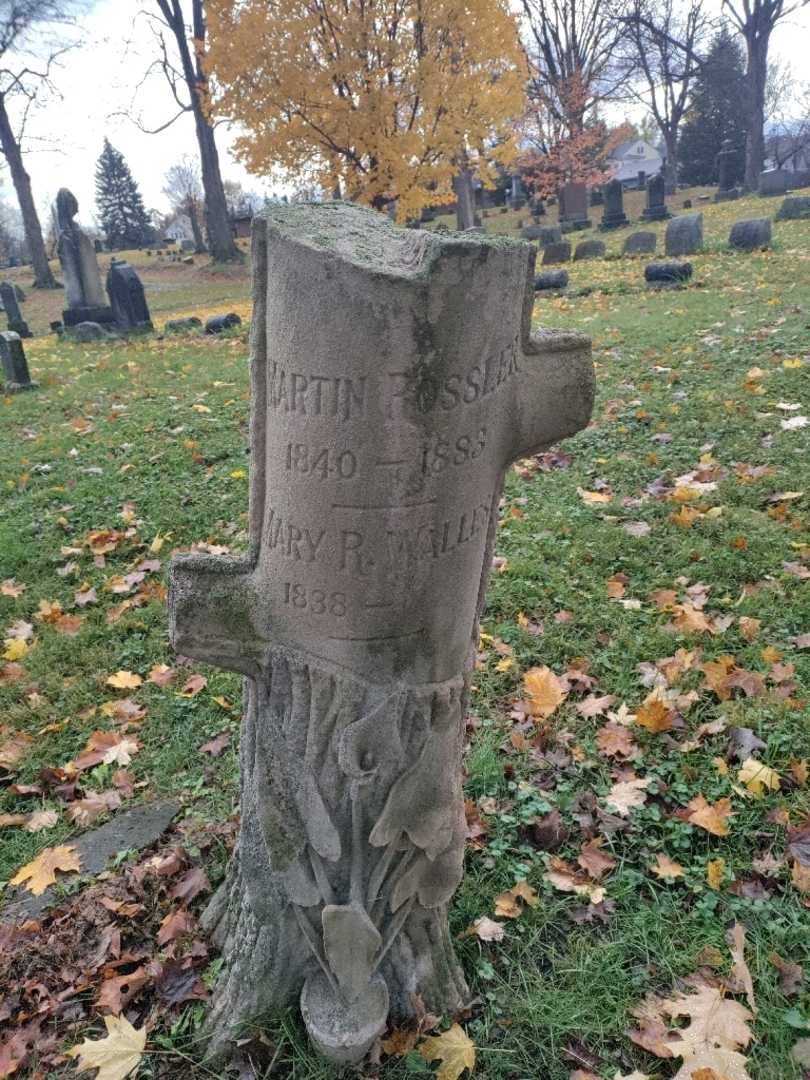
(11, 306)
(574, 207)
(551, 279)
(589, 249)
(656, 208)
(640, 243)
(684, 235)
(15, 366)
(750, 234)
(667, 273)
(127, 298)
(794, 208)
(85, 297)
(558, 252)
(614, 215)
(393, 381)
(774, 182)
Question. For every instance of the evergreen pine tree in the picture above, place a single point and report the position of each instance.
(716, 112)
(120, 206)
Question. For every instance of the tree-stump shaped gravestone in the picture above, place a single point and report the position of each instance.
(77, 257)
(393, 382)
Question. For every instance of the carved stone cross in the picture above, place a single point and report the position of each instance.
(393, 382)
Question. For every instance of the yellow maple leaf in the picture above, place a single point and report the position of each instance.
(543, 691)
(454, 1049)
(116, 1056)
(15, 649)
(125, 680)
(654, 714)
(40, 873)
(757, 776)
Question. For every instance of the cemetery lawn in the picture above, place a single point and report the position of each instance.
(657, 564)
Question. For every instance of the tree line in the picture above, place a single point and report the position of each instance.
(409, 103)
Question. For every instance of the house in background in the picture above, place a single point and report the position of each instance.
(633, 157)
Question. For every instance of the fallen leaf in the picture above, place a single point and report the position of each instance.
(595, 861)
(740, 973)
(715, 870)
(454, 1049)
(614, 740)
(713, 817)
(654, 715)
(161, 675)
(400, 1042)
(594, 705)
(174, 925)
(116, 1056)
(757, 776)
(124, 680)
(215, 746)
(41, 819)
(790, 974)
(10, 587)
(667, 869)
(85, 811)
(486, 929)
(543, 691)
(626, 795)
(115, 994)
(39, 874)
(194, 685)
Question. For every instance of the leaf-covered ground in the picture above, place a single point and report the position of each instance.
(639, 731)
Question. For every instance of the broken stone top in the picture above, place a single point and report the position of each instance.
(370, 242)
(394, 380)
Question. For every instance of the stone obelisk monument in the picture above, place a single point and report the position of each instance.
(394, 379)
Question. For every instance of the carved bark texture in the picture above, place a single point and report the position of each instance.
(348, 799)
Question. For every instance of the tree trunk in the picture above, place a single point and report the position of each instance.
(217, 226)
(196, 231)
(671, 164)
(465, 200)
(268, 923)
(43, 275)
(756, 77)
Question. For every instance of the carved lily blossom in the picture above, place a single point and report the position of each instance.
(373, 742)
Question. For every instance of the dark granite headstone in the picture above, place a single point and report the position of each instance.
(684, 235)
(557, 253)
(667, 273)
(656, 208)
(183, 326)
(574, 206)
(687, 204)
(217, 323)
(640, 243)
(614, 215)
(751, 234)
(16, 322)
(15, 365)
(597, 196)
(127, 297)
(551, 279)
(87, 331)
(589, 249)
(794, 208)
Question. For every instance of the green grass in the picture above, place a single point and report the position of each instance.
(158, 430)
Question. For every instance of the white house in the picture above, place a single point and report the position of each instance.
(632, 157)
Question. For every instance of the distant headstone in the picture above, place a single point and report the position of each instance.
(551, 279)
(217, 323)
(127, 297)
(774, 182)
(656, 208)
(537, 207)
(597, 196)
(794, 208)
(751, 234)
(589, 249)
(183, 326)
(640, 243)
(56, 326)
(187, 245)
(557, 253)
(83, 291)
(188, 260)
(16, 323)
(517, 193)
(684, 235)
(667, 273)
(532, 232)
(687, 204)
(85, 332)
(641, 179)
(574, 207)
(98, 247)
(549, 234)
(614, 215)
(726, 168)
(15, 366)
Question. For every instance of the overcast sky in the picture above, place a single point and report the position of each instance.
(99, 80)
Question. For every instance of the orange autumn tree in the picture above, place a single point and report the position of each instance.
(375, 99)
(560, 144)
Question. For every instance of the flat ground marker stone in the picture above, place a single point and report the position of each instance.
(394, 379)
